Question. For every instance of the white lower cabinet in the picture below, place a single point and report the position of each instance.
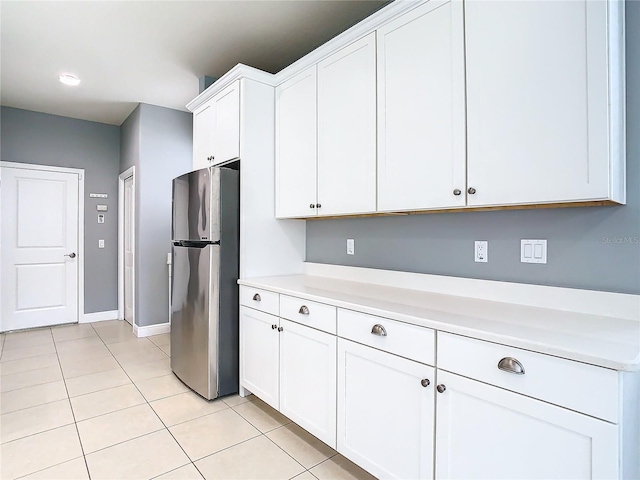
(308, 379)
(259, 354)
(488, 432)
(385, 413)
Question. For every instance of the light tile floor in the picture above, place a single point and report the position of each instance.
(94, 401)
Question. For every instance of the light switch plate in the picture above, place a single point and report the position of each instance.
(101, 243)
(351, 246)
(533, 251)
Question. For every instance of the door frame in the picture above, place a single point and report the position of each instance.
(129, 172)
(80, 173)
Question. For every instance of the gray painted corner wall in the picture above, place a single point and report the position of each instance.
(595, 248)
(159, 142)
(44, 139)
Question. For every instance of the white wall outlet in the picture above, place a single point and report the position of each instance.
(481, 249)
(351, 246)
(101, 243)
(533, 251)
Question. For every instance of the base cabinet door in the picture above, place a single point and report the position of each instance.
(385, 414)
(259, 354)
(308, 379)
(487, 432)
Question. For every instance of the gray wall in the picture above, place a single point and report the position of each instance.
(43, 139)
(579, 252)
(158, 141)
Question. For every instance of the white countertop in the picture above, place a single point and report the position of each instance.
(604, 341)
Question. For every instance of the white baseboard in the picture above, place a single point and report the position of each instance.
(98, 316)
(150, 330)
(608, 304)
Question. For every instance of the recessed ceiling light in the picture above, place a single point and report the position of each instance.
(69, 79)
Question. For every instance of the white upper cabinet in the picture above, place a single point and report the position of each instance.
(421, 109)
(296, 146)
(216, 129)
(203, 124)
(226, 134)
(347, 130)
(544, 109)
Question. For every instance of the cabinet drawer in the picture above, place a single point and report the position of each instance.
(575, 385)
(313, 314)
(262, 300)
(409, 341)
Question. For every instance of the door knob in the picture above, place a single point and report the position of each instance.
(70, 255)
(425, 382)
(471, 191)
(457, 191)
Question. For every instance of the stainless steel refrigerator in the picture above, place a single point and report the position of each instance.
(204, 292)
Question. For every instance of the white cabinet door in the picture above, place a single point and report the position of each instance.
(487, 432)
(421, 109)
(259, 354)
(385, 414)
(204, 120)
(296, 146)
(308, 379)
(226, 136)
(537, 101)
(347, 130)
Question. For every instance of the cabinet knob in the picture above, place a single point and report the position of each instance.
(256, 297)
(379, 330)
(312, 205)
(511, 365)
(304, 310)
(318, 205)
(273, 327)
(425, 382)
(457, 191)
(441, 388)
(280, 329)
(471, 191)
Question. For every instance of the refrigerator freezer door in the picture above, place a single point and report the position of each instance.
(196, 206)
(195, 317)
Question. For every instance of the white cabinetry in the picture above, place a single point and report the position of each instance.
(385, 412)
(289, 365)
(545, 109)
(296, 152)
(421, 110)
(326, 136)
(487, 432)
(347, 130)
(308, 379)
(216, 128)
(259, 353)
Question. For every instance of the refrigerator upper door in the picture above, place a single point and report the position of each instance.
(195, 317)
(196, 206)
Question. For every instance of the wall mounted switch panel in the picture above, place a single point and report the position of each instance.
(351, 246)
(533, 251)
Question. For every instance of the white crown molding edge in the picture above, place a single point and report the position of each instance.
(359, 30)
(593, 302)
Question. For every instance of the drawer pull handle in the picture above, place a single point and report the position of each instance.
(511, 365)
(441, 388)
(304, 310)
(379, 330)
(256, 297)
(425, 382)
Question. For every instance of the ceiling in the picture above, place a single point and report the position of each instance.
(126, 52)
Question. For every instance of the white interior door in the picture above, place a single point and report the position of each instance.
(129, 202)
(39, 248)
